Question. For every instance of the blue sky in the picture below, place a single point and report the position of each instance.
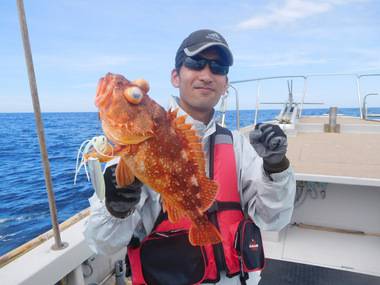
(76, 42)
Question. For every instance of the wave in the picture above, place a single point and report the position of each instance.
(8, 237)
(13, 219)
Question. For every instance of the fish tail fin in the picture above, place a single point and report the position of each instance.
(205, 234)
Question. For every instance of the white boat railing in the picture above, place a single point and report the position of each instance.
(258, 93)
(306, 78)
(366, 115)
(223, 107)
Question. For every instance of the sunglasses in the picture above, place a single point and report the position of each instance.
(200, 63)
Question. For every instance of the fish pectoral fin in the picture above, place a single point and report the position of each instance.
(208, 194)
(124, 175)
(204, 234)
(174, 213)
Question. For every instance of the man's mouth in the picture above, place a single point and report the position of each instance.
(204, 88)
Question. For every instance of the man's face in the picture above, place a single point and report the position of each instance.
(200, 90)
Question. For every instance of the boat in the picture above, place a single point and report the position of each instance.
(334, 231)
(335, 224)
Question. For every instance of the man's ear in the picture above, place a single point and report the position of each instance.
(175, 78)
(226, 86)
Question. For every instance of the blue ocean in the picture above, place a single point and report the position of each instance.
(24, 209)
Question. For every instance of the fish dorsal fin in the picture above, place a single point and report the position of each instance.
(208, 195)
(195, 151)
(194, 144)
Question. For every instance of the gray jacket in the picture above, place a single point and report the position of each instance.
(269, 200)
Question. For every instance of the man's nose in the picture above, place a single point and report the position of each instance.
(206, 74)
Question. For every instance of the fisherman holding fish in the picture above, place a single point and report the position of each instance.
(211, 194)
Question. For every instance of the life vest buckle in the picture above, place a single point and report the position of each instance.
(214, 208)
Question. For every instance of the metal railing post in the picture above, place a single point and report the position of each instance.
(237, 106)
(303, 95)
(258, 94)
(359, 96)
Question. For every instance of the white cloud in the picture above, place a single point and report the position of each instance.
(291, 11)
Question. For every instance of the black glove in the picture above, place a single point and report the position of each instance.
(270, 142)
(120, 202)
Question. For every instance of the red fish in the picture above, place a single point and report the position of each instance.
(161, 150)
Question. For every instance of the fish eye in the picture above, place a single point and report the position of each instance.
(133, 94)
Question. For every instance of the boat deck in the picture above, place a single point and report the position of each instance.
(353, 154)
(346, 120)
(290, 273)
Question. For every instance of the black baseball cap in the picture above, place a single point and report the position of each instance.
(199, 41)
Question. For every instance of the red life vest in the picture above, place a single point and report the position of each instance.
(183, 261)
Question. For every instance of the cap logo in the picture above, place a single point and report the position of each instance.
(214, 36)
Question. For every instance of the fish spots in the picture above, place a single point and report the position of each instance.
(156, 170)
(194, 180)
(141, 166)
(184, 155)
(201, 221)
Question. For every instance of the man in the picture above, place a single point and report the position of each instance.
(259, 180)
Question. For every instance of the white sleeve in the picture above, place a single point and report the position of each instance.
(106, 234)
(270, 202)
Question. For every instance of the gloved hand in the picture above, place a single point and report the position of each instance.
(120, 202)
(270, 143)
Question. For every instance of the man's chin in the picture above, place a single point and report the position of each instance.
(204, 105)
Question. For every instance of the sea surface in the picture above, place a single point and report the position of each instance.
(24, 209)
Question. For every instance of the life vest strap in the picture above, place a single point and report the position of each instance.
(224, 206)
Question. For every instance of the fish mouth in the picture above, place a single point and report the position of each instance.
(122, 136)
(131, 140)
(127, 139)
